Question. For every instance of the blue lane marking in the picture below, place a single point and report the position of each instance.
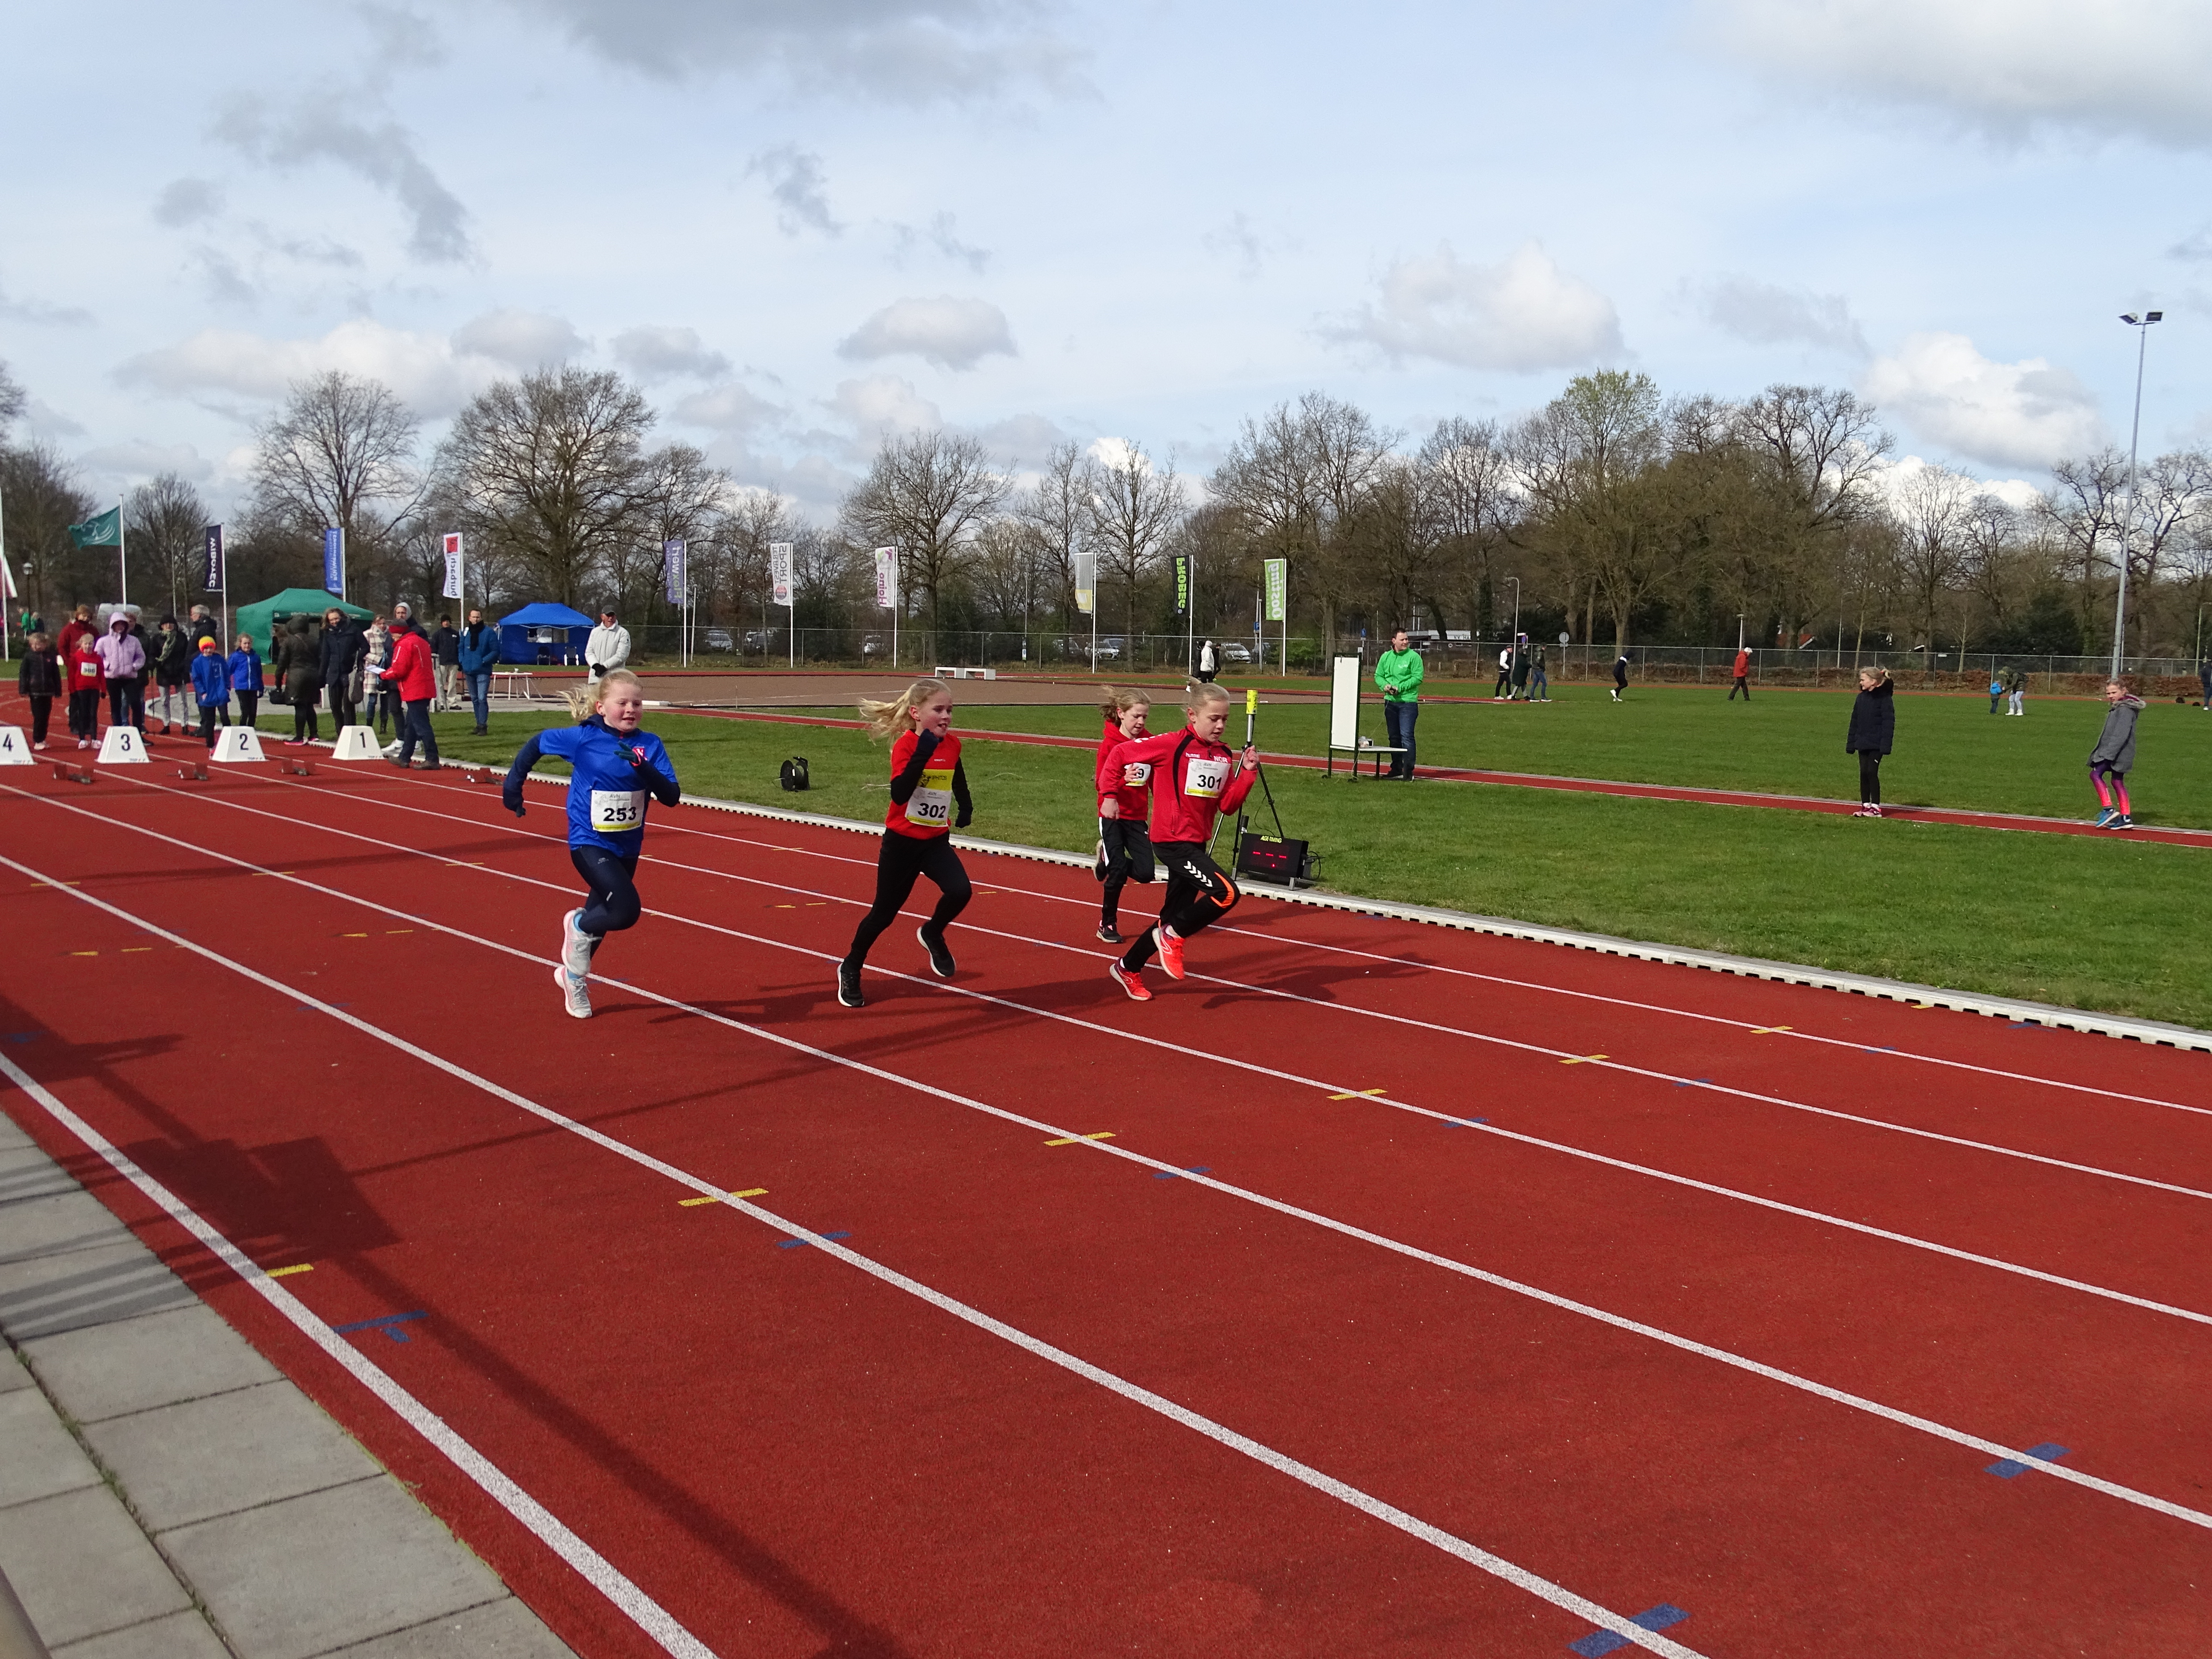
(1681, 1083)
(793, 1243)
(389, 1324)
(1605, 1641)
(1177, 1175)
(1463, 1123)
(21, 1036)
(2050, 1451)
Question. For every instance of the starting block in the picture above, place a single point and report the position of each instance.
(357, 742)
(66, 773)
(195, 772)
(237, 743)
(476, 774)
(14, 749)
(123, 745)
(298, 768)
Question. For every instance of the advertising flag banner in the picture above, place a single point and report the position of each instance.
(1181, 564)
(887, 577)
(453, 544)
(1279, 581)
(101, 530)
(214, 583)
(7, 580)
(672, 564)
(334, 560)
(779, 571)
(1086, 582)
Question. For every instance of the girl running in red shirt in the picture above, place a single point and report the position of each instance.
(1125, 845)
(927, 783)
(1195, 778)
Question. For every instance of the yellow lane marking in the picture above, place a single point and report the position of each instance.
(1767, 1031)
(390, 930)
(716, 1198)
(84, 953)
(1359, 1094)
(1069, 1140)
(133, 949)
(1924, 1005)
(1580, 1059)
(286, 1273)
(352, 936)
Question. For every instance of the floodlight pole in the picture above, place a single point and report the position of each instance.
(2141, 326)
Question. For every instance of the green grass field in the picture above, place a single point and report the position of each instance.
(2094, 923)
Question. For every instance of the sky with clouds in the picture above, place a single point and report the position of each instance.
(803, 223)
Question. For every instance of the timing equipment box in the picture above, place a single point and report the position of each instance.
(1275, 859)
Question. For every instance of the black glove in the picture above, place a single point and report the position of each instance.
(595, 668)
(514, 804)
(966, 818)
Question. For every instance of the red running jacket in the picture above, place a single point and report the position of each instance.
(1135, 789)
(1194, 782)
(411, 673)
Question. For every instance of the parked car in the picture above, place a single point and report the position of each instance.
(872, 646)
(1232, 652)
(718, 638)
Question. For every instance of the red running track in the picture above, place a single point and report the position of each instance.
(1732, 1319)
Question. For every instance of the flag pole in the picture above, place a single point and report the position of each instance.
(122, 562)
(8, 581)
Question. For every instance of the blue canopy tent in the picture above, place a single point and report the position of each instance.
(544, 633)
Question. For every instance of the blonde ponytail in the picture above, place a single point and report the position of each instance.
(584, 700)
(887, 720)
(1118, 703)
(1202, 694)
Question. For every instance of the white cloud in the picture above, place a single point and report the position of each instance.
(943, 234)
(1765, 314)
(1522, 315)
(429, 372)
(315, 129)
(525, 340)
(884, 403)
(653, 352)
(800, 187)
(2009, 67)
(45, 315)
(1891, 478)
(2022, 414)
(187, 202)
(949, 332)
(727, 407)
(135, 461)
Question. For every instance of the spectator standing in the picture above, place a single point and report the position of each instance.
(446, 651)
(299, 671)
(210, 687)
(609, 645)
(1505, 675)
(88, 678)
(1619, 674)
(173, 669)
(1539, 681)
(78, 627)
(337, 669)
(40, 681)
(2114, 756)
(2015, 685)
(2205, 680)
(1209, 662)
(1996, 691)
(1742, 682)
(375, 658)
(412, 678)
(122, 661)
(245, 666)
(1398, 673)
(478, 653)
(203, 627)
(1519, 689)
(1873, 730)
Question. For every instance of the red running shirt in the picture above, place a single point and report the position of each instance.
(928, 810)
(1194, 782)
(1134, 791)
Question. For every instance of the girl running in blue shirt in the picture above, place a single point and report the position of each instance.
(613, 767)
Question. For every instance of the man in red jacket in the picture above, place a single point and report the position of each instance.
(413, 675)
(1742, 675)
(1195, 779)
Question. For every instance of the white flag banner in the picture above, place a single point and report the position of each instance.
(453, 588)
(779, 571)
(1086, 582)
(7, 580)
(886, 577)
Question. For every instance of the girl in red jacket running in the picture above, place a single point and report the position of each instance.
(1125, 845)
(927, 783)
(1195, 779)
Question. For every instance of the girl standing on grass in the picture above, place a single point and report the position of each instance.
(927, 783)
(1195, 779)
(1873, 728)
(2114, 756)
(1125, 842)
(613, 767)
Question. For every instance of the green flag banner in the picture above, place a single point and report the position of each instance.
(103, 530)
(1277, 572)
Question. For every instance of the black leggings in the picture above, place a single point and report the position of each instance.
(304, 723)
(899, 862)
(1128, 858)
(249, 708)
(1198, 895)
(613, 903)
(1869, 777)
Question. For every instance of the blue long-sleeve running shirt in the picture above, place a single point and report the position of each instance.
(611, 776)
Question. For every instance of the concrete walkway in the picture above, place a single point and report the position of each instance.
(165, 1493)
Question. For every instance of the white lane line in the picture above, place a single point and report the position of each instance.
(647, 1614)
(1864, 1228)
(1600, 1062)
(1111, 1149)
(671, 1636)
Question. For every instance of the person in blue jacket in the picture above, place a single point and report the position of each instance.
(614, 766)
(245, 679)
(479, 655)
(210, 688)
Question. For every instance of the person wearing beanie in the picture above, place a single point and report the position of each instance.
(172, 666)
(210, 687)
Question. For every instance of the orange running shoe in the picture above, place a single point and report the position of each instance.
(1170, 952)
(1133, 983)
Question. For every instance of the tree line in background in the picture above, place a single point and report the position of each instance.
(1612, 514)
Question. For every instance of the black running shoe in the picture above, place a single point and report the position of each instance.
(940, 956)
(848, 985)
(1106, 935)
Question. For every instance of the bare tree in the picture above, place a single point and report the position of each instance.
(548, 470)
(2085, 506)
(1135, 506)
(1003, 575)
(12, 398)
(45, 497)
(1468, 482)
(682, 495)
(927, 494)
(1933, 509)
(2170, 498)
(340, 452)
(167, 522)
(1057, 511)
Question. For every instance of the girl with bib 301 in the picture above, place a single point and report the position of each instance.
(613, 767)
(928, 784)
(1195, 779)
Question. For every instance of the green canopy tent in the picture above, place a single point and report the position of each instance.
(263, 619)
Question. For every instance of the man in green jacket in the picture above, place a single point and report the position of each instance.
(1398, 672)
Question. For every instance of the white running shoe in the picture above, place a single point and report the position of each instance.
(577, 990)
(575, 946)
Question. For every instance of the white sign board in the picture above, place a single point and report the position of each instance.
(1344, 705)
(14, 749)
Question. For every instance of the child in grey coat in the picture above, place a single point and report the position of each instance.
(2114, 756)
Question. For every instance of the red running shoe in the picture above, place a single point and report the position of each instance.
(1170, 952)
(1133, 983)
